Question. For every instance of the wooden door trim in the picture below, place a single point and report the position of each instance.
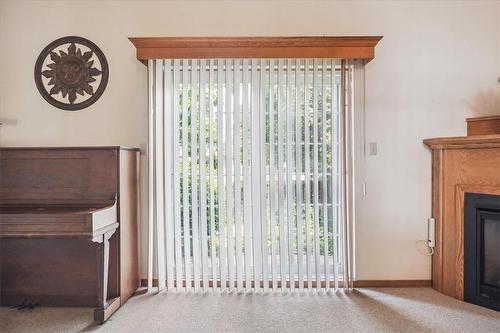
(438, 214)
(345, 47)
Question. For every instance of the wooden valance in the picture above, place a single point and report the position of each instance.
(354, 47)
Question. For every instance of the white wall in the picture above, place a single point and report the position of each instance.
(435, 56)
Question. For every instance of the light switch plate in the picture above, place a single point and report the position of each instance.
(372, 149)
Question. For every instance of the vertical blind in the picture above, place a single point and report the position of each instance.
(250, 174)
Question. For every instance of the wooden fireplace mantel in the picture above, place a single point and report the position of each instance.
(459, 165)
(464, 142)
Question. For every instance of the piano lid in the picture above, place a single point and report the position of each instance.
(47, 176)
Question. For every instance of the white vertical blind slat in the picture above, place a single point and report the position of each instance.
(298, 175)
(158, 174)
(335, 174)
(168, 163)
(237, 173)
(347, 173)
(211, 171)
(203, 178)
(151, 199)
(247, 195)
(274, 205)
(307, 170)
(263, 174)
(194, 156)
(229, 173)
(185, 175)
(324, 152)
(289, 179)
(350, 175)
(220, 181)
(176, 179)
(343, 168)
(317, 255)
(255, 176)
(281, 192)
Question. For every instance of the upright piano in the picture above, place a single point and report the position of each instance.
(68, 227)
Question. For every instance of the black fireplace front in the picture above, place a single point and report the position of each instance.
(482, 250)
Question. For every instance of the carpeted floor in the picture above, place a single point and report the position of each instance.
(364, 310)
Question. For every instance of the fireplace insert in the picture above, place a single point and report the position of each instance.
(482, 250)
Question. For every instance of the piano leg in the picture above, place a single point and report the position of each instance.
(105, 270)
(108, 307)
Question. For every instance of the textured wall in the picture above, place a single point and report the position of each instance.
(434, 58)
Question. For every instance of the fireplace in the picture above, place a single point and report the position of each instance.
(482, 250)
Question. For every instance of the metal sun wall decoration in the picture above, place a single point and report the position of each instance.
(71, 73)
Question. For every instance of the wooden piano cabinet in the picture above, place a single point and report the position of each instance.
(68, 227)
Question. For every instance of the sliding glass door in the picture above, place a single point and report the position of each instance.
(250, 171)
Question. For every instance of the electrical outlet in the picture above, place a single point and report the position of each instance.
(431, 232)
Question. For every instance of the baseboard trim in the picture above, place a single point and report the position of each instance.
(392, 283)
(357, 283)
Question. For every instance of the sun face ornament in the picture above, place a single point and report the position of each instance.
(71, 73)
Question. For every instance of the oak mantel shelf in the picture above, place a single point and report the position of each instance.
(345, 47)
(461, 142)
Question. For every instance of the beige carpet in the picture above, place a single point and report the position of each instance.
(364, 310)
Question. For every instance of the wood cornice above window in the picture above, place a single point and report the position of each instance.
(353, 47)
